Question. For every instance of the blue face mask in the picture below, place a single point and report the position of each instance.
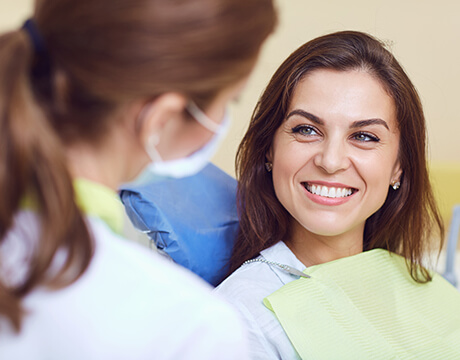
(195, 162)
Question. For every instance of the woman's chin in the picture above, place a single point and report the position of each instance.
(336, 228)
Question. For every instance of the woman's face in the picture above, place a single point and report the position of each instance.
(336, 152)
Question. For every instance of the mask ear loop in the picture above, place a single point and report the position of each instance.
(202, 118)
(152, 141)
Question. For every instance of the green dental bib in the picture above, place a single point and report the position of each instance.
(368, 307)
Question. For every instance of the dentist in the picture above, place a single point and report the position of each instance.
(93, 92)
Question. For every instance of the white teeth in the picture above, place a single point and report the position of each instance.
(331, 192)
(324, 191)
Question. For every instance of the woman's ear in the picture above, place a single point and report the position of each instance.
(269, 155)
(155, 114)
(397, 173)
(268, 160)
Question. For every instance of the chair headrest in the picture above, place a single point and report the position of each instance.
(193, 220)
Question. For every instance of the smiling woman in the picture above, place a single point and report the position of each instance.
(333, 159)
(339, 88)
(333, 182)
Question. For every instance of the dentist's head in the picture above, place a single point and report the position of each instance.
(138, 67)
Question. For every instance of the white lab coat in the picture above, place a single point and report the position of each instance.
(129, 304)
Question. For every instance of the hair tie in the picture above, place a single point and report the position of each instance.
(37, 41)
(42, 65)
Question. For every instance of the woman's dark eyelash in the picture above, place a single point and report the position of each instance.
(297, 128)
(372, 137)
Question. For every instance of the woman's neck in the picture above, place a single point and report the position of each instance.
(313, 249)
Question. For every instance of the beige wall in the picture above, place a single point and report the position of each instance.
(425, 37)
(13, 13)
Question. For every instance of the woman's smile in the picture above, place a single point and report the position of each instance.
(328, 194)
(329, 191)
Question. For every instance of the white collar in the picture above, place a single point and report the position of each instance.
(280, 253)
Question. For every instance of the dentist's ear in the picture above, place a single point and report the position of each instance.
(155, 114)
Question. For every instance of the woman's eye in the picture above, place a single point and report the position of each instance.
(304, 130)
(364, 137)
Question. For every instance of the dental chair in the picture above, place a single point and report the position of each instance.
(191, 220)
(449, 273)
(446, 183)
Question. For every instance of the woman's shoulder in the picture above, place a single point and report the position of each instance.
(255, 280)
(247, 287)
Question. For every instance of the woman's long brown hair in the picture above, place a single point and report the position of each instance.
(409, 218)
(101, 54)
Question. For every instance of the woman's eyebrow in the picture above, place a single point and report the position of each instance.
(362, 123)
(354, 125)
(307, 115)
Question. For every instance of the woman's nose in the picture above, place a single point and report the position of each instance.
(332, 156)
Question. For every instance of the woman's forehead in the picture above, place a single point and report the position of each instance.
(349, 95)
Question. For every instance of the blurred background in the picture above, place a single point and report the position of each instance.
(423, 34)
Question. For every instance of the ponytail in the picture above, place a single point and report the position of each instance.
(33, 165)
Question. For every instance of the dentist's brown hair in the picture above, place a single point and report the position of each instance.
(101, 55)
(409, 218)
